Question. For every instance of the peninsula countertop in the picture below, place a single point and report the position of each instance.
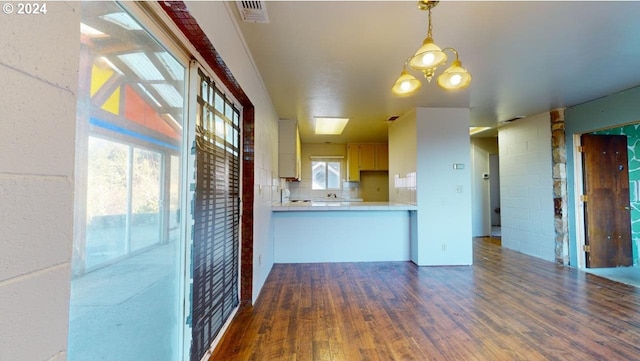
(341, 206)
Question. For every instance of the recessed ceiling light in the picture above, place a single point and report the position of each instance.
(331, 126)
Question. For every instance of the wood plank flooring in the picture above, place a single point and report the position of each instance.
(507, 306)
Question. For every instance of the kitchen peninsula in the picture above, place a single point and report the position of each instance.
(342, 231)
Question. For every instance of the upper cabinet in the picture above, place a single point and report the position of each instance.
(382, 156)
(353, 163)
(289, 150)
(366, 157)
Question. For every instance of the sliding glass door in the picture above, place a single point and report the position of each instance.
(129, 260)
(157, 217)
(146, 187)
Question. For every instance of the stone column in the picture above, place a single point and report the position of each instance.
(559, 158)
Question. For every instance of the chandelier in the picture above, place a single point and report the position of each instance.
(427, 59)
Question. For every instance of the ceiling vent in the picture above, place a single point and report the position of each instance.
(253, 11)
(512, 119)
(393, 118)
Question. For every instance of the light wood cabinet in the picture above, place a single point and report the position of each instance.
(382, 156)
(366, 157)
(289, 150)
(353, 163)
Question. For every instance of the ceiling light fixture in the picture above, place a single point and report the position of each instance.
(427, 59)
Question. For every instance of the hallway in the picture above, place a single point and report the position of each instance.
(508, 306)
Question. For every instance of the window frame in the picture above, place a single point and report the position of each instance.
(326, 160)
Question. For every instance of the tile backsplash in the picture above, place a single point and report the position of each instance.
(302, 190)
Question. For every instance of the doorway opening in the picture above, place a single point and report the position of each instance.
(619, 228)
(494, 195)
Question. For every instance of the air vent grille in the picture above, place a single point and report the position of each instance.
(253, 11)
(512, 119)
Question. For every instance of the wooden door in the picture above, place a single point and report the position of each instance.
(607, 211)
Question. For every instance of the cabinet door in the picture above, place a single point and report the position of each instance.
(382, 154)
(289, 149)
(367, 157)
(353, 163)
(298, 170)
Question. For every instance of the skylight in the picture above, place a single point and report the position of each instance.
(92, 32)
(330, 126)
(123, 20)
(108, 62)
(173, 67)
(144, 89)
(141, 65)
(169, 94)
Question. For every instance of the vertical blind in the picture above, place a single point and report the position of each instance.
(216, 215)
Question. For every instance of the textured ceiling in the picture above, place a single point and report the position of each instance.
(340, 58)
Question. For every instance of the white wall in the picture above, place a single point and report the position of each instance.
(527, 187)
(444, 193)
(481, 148)
(216, 20)
(403, 147)
(38, 68)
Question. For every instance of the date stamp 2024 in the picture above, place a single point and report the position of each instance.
(24, 8)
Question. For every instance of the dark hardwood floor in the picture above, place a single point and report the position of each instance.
(507, 306)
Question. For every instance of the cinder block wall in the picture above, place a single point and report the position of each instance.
(526, 187)
(38, 68)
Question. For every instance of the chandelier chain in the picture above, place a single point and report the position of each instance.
(430, 27)
(426, 59)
